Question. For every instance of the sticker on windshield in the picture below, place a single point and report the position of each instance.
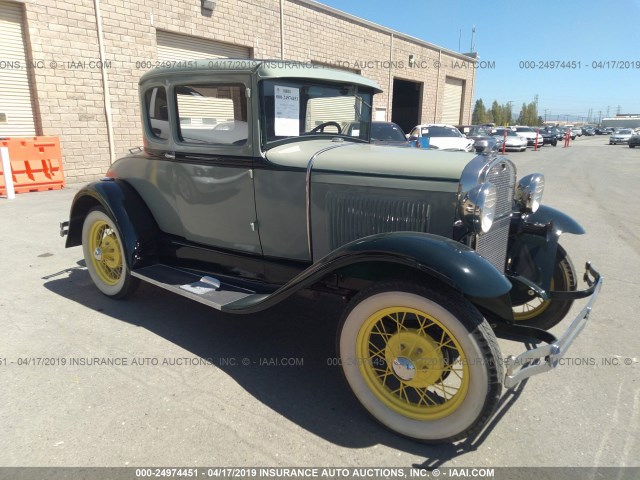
(287, 108)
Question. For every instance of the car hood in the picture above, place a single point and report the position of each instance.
(367, 159)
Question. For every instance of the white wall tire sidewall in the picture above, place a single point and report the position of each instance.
(463, 417)
(109, 290)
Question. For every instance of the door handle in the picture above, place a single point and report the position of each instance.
(170, 155)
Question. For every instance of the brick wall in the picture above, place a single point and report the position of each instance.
(70, 101)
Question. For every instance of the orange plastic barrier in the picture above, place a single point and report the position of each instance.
(36, 164)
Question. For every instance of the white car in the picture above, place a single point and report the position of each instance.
(530, 134)
(442, 137)
(514, 142)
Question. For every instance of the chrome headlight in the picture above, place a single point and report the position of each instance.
(479, 207)
(529, 192)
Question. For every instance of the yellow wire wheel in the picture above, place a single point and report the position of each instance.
(545, 314)
(423, 362)
(413, 363)
(104, 255)
(105, 249)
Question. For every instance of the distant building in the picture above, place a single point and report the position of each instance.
(623, 120)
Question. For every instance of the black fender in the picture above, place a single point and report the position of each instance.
(533, 245)
(562, 223)
(137, 227)
(444, 259)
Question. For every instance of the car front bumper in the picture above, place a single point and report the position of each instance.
(617, 141)
(547, 357)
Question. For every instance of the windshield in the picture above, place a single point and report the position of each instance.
(477, 132)
(298, 108)
(500, 132)
(440, 132)
(387, 132)
(524, 129)
(624, 131)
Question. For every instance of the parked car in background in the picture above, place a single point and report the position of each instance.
(558, 132)
(547, 137)
(442, 137)
(601, 131)
(576, 132)
(620, 136)
(382, 133)
(481, 135)
(588, 131)
(634, 141)
(526, 132)
(514, 142)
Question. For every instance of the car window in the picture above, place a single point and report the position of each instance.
(304, 109)
(212, 114)
(386, 132)
(156, 109)
(440, 132)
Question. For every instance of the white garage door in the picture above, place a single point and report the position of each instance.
(452, 105)
(16, 111)
(174, 47)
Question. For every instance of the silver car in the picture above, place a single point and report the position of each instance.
(620, 136)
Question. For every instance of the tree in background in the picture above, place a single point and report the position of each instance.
(479, 115)
(529, 115)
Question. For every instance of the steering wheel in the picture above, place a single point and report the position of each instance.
(326, 124)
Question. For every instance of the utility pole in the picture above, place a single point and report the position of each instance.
(607, 111)
(618, 110)
(473, 34)
(599, 117)
(545, 114)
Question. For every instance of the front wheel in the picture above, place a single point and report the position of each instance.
(423, 362)
(548, 313)
(104, 255)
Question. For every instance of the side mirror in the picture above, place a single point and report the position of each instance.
(412, 138)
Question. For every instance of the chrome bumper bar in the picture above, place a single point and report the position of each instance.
(64, 228)
(547, 357)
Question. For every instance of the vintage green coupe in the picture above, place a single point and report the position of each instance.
(247, 190)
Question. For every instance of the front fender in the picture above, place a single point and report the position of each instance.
(447, 260)
(124, 205)
(562, 223)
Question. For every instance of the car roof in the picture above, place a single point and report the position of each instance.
(264, 69)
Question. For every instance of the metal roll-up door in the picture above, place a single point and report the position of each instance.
(330, 109)
(452, 104)
(16, 109)
(175, 47)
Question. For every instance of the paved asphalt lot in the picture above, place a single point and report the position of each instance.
(585, 414)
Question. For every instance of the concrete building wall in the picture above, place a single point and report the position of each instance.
(71, 101)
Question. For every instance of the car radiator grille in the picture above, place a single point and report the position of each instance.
(493, 244)
(355, 216)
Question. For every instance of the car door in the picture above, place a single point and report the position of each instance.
(213, 172)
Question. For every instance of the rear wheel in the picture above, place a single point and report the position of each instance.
(104, 255)
(423, 362)
(545, 314)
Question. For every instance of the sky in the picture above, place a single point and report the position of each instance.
(591, 32)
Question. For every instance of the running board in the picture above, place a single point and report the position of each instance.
(206, 290)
